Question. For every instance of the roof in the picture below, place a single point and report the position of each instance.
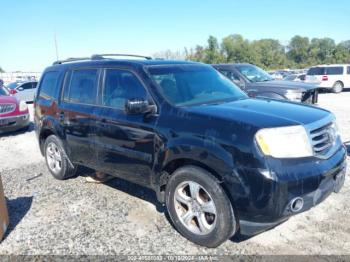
(329, 65)
(104, 61)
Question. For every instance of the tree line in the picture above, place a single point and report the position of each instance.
(301, 52)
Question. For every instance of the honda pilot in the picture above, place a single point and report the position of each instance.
(222, 163)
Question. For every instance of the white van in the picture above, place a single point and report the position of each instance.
(334, 77)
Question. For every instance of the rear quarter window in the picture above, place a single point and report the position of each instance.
(316, 71)
(336, 70)
(48, 85)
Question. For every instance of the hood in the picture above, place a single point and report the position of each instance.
(286, 85)
(8, 100)
(263, 113)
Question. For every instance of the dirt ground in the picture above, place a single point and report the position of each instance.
(73, 217)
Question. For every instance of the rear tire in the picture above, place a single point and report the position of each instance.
(337, 87)
(199, 208)
(56, 159)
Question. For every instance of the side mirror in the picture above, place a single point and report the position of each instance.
(139, 106)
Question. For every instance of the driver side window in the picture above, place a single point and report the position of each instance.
(233, 77)
(120, 86)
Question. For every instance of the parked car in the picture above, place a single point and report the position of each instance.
(258, 83)
(331, 77)
(23, 90)
(221, 162)
(14, 114)
(295, 77)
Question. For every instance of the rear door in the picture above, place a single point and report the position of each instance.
(126, 142)
(334, 74)
(78, 114)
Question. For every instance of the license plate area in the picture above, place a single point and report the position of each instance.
(3, 122)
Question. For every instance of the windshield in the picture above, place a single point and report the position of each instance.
(3, 91)
(187, 85)
(254, 73)
(12, 85)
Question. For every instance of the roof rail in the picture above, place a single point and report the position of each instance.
(102, 56)
(71, 59)
(97, 57)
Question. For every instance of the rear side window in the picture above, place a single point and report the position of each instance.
(82, 86)
(336, 70)
(120, 86)
(49, 84)
(26, 86)
(348, 70)
(316, 71)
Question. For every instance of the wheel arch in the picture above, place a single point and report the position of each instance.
(49, 127)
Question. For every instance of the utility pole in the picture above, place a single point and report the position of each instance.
(56, 48)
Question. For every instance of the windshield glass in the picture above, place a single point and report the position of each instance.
(3, 91)
(187, 85)
(12, 85)
(254, 73)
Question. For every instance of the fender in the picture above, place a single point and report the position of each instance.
(203, 152)
(50, 125)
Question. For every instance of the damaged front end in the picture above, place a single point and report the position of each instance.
(288, 186)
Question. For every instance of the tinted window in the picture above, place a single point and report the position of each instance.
(186, 85)
(3, 91)
(120, 86)
(48, 84)
(348, 70)
(27, 86)
(230, 75)
(83, 86)
(316, 71)
(254, 73)
(233, 77)
(339, 70)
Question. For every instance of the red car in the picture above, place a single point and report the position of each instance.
(14, 114)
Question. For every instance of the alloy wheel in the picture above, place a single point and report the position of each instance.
(195, 208)
(54, 158)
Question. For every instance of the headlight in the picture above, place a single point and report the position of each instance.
(294, 96)
(23, 106)
(284, 142)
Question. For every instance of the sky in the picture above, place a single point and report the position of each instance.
(83, 27)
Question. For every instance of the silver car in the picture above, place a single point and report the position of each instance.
(23, 90)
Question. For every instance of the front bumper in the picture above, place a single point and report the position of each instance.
(13, 123)
(271, 198)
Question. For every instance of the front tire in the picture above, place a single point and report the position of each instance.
(337, 87)
(56, 159)
(199, 208)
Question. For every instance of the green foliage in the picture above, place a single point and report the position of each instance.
(269, 54)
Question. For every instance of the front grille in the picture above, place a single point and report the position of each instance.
(323, 139)
(7, 108)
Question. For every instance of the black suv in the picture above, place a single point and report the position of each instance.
(221, 162)
(258, 83)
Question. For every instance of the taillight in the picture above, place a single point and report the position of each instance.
(324, 78)
(13, 91)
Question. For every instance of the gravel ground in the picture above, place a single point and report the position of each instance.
(72, 217)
